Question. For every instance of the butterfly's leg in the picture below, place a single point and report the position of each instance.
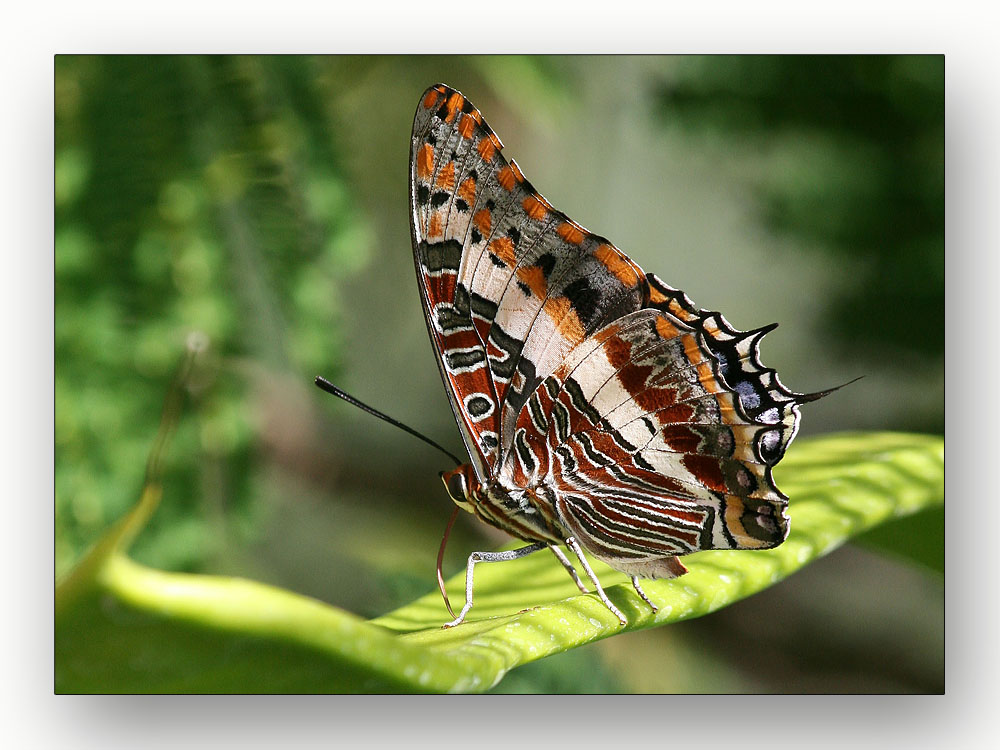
(575, 546)
(635, 583)
(476, 557)
(569, 567)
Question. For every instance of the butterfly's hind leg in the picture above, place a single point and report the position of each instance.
(477, 557)
(638, 588)
(569, 568)
(575, 546)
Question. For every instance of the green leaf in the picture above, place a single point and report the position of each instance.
(122, 627)
(918, 539)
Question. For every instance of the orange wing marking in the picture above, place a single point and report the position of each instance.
(446, 177)
(534, 208)
(467, 191)
(467, 126)
(482, 221)
(614, 261)
(425, 161)
(570, 232)
(506, 178)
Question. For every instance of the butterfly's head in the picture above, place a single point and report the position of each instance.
(461, 483)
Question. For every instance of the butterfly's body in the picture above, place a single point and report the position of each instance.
(599, 406)
(517, 510)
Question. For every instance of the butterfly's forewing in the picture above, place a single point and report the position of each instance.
(453, 155)
(645, 426)
(500, 272)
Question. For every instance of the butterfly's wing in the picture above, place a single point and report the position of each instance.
(453, 156)
(643, 425)
(500, 272)
(643, 449)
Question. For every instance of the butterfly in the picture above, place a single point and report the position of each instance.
(600, 408)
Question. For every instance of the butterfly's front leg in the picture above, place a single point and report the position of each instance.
(477, 557)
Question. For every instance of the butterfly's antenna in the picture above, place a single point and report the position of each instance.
(329, 387)
(444, 542)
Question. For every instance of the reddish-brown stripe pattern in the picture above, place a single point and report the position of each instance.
(435, 231)
(620, 266)
(534, 277)
(455, 101)
(503, 248)
(430, 99)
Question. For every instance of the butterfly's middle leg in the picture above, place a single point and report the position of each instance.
(569, 567)
(477, 557)
(575, 546)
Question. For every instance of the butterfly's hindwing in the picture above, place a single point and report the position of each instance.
(633, 420)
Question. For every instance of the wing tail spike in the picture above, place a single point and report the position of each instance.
(804, 398)
(758, 332)
(750, 340)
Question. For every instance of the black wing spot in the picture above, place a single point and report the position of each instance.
(449, 318)
(527, 458)
(440, 256)
(423, 195)
(439, 198)
(464, 359)
(483, 307)
(586, 301)
(461, 205)
(478, 406)
(546, 261)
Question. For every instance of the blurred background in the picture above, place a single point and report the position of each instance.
(262, 201)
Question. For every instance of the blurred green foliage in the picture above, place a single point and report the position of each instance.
(856, 170)
(261, 201)
(192, 194)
